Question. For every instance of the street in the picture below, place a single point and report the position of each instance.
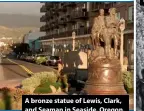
(15, 70)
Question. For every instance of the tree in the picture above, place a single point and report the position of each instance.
(21, 48)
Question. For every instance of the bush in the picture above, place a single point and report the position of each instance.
(128, 81)
(43, 90)
(38, 79)
(46, 77)
(2, 105)
(64, 82)
(31, 82)
(42, 82)
(47, 84)
(45, 87)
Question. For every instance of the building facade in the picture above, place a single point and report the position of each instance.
(63, 18)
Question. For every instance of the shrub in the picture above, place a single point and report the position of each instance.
(17, 94)
(39, 79)
(128, 81)
(43, 90)
(2, 105)
(64, 82)
(47, 84)
(46, 77)
(31, 82)
(45, 87)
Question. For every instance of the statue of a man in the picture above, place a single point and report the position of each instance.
(112, 25)
(99, 24)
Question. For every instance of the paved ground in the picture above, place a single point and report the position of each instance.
(12, 73)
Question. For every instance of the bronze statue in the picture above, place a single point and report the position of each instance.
(106, 29)
(112, 31)
(99, 24)
(104, 70)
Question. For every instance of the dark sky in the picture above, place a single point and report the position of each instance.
(32, 8)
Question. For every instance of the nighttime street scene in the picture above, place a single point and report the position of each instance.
(65, 48)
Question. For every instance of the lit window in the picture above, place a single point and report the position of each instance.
(131, 13)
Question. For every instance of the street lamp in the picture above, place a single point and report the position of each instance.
(41, 50)
(122, 28)
(53, 47)
(64, 45)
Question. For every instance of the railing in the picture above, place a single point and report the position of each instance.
(79, 14)
(83, 31)
(97, 6)
(80, 31)
(62, 20)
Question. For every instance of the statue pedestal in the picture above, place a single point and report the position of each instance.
(105, 78)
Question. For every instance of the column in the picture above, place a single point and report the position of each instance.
(122, 27)
(73, 37)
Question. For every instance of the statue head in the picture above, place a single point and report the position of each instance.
(112, 11)
(101, 11)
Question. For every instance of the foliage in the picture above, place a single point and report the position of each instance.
(17, 94)
(42, 81)
(31, 82)
(46, 77)
(40, 60)
(38, 79)
(64, 82)
(128, 81)
(2, 105)
(20, 48)
(45, 87)
(10, 97)
(43, 90)
(6, 97)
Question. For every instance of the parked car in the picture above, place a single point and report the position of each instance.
(33, 58)
(24, 57)
(21, 57)
(53, 61)
(30, 58)
(41, 59)
(18, 56)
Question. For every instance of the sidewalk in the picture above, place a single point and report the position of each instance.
(10, 83)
